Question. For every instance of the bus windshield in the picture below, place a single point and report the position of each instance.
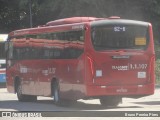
(114, 37)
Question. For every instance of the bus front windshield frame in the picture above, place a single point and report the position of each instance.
(117, 37)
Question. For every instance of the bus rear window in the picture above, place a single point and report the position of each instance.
(120, 37)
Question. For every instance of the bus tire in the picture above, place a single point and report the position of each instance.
(31, 98)
(55, 93)
(24, 98)
(110, 101)
(56, 96)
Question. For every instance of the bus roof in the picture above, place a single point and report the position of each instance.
(119, 21)
(56, 23)
(72, 21)
(3, 37)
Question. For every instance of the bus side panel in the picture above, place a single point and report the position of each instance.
(72, 78)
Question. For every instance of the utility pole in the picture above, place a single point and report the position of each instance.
(30, 13)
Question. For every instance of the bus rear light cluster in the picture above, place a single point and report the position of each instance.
(91, 65)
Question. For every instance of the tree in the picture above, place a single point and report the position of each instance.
(14, 14)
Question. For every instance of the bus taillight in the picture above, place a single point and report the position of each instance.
(91, 65)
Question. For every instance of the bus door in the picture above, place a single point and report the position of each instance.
(23, 55)
(38, 65)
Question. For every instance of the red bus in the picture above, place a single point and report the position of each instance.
(82, 58)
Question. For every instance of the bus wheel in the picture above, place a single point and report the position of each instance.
(110, 101)
(56, 94)
(24, 98)
(20, 96)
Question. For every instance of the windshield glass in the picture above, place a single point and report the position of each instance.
(113, 37)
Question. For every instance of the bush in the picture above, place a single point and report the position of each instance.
(157, 71)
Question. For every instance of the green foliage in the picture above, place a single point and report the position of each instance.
(14, 14)
(157, 71)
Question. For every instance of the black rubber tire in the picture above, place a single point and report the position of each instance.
(55, 92)
(57, 99)
(110, 101)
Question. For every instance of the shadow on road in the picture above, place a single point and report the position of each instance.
(148, 103)
(48, 105)
(29, 106)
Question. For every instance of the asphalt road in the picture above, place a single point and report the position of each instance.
(9, 102)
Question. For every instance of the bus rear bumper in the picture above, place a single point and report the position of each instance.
(132, 90)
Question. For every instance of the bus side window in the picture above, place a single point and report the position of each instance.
(46, 54)
(33, 53)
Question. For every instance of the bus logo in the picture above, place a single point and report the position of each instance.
(120, 67)
(130, 67)
(49, 71)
